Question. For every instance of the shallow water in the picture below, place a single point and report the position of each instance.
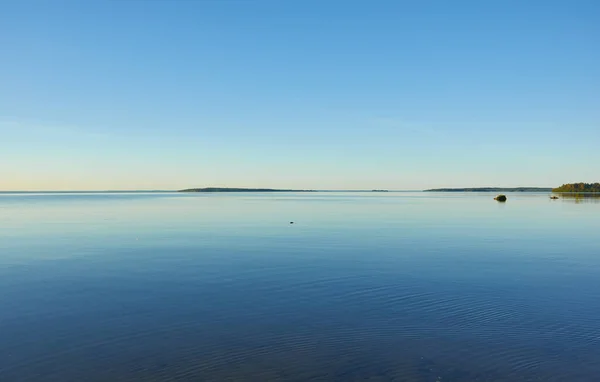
(364, 286)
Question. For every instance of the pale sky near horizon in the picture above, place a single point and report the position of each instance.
(98, 95)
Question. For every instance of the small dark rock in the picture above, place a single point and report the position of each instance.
(500, 198)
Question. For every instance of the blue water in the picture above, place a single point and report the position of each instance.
(364, 286)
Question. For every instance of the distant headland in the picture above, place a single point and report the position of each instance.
(578, 187)
(569, 187)
(229, 189)
(492, 189)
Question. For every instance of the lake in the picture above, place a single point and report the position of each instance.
(402, 286)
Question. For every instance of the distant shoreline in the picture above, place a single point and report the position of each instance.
(492, 189)
(229, 189)
(277, 190)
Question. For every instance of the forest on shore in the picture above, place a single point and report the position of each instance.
(578, 187)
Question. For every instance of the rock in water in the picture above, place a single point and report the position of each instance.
(500, 198)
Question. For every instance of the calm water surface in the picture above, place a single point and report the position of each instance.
(364, 286)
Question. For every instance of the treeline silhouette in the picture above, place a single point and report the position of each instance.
(578, 187)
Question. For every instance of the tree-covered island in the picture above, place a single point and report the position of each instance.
(578, 187)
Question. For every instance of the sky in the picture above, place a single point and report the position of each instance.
(327, 94)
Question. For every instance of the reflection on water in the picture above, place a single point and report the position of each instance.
(585, 197)
(372, 286)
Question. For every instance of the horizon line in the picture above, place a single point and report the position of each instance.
(280, 190)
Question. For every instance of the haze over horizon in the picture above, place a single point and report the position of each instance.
(113, 95)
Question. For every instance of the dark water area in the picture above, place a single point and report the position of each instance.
(427, 287)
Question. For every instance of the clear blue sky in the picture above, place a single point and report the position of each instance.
(329, 94)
